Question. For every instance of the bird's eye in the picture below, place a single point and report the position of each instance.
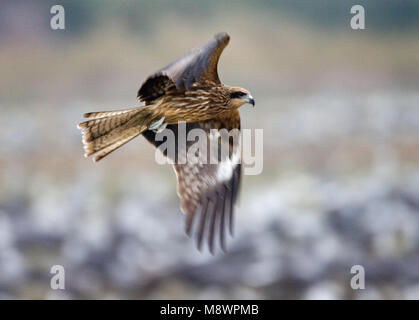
(237, 94)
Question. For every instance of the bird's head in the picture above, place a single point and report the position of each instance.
(239, 96)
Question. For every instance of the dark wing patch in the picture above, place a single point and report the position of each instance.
(155, 87)
(207, 198)
(196, 66)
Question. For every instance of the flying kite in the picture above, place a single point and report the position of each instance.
(186, 91)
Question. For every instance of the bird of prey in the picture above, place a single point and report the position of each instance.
(186, 91)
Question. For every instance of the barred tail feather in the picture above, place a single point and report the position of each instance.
(102, 114)
(105, 122)
(128, 136)
(112, 129)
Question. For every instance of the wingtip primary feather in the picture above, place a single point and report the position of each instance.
(202, 222)
(222, 36)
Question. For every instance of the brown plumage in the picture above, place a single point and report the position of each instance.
(187, 90)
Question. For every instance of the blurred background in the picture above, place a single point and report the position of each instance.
(340, 184)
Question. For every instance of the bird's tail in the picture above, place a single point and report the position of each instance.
(108, 130)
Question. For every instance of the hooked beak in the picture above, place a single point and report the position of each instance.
(249, 99)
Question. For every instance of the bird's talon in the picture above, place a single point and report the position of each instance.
(158, 126)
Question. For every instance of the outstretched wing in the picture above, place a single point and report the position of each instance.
(197, 66)
(207, 187)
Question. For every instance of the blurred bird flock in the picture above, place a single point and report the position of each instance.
(340, 185)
